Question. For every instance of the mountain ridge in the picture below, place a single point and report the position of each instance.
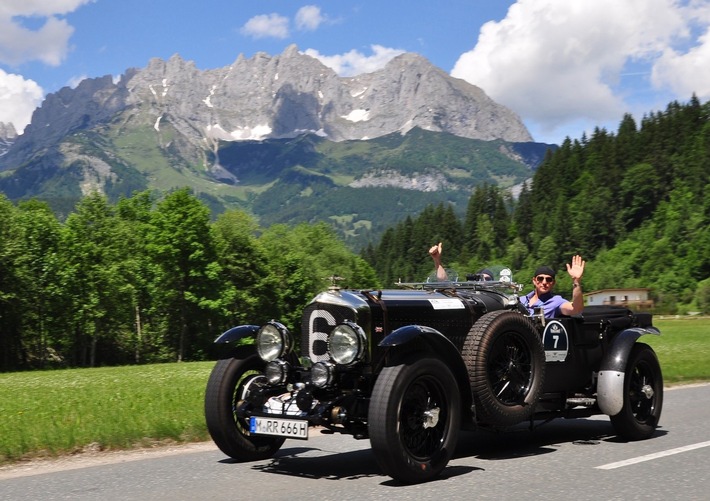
(275, 97)
(171, 124)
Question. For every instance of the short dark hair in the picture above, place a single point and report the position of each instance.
(545, 270)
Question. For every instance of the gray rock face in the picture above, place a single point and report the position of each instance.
(272, 97)
(7, 131)
(8, 134)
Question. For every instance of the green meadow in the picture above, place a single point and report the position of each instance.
(683, 349)
(51, 413)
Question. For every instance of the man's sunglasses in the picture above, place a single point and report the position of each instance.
(541, 279)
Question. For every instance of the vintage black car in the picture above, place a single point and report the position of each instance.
(410, 367)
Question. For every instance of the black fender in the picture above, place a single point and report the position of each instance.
(610, 383)
(237, 342)
(419, 338)
(237, 333)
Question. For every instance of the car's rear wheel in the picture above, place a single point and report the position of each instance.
(414, 419)
(506, 364)
(643, 395)
(229, 384)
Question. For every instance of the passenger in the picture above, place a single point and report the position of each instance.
(435, 253)
(554, 305)
(442, 276)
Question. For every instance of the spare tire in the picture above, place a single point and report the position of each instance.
(506, 366)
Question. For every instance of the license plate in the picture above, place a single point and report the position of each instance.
(291, 428)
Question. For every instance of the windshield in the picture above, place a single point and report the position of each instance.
(493, 273)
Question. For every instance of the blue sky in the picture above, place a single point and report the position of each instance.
(564, 66)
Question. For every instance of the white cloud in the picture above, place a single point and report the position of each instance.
(309, 18)
(76, 80)
(18, 99)
(687, 71)
(355, 62)
(48, 44)
(40, 7)
(266, 26)
(556, 62)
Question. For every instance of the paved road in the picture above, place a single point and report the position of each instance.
(575, 459)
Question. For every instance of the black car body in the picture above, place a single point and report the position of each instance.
(410, 367)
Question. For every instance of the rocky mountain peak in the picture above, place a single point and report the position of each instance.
(7, 131)
(265, 96)
(8, 134)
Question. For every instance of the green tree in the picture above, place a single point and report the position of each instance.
(487, 224)
(304, 261)
(91, 253)
(589, 219)
(523, 216)
(639, 193)
(134, 216)
(43, 301)
(12, 353)
(248, 289)
(703, 296)
(187, 287)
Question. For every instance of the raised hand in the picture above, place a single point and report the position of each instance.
(576, 269)
(435, 251)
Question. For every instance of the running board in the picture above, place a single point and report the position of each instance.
(581, 402)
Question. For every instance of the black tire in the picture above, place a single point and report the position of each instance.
(410, 442)
(506, 365)
(227, 385)
(643, 395)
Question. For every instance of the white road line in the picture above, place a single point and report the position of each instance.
(649, 457)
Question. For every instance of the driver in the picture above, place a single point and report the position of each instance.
(554, 305)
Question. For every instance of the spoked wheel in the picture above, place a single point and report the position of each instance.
(229, 383)
(506, 364)
(643, 395)
(414, 419)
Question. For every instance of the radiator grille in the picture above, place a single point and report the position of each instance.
(317, 322)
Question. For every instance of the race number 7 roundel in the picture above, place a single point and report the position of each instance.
(555, 341)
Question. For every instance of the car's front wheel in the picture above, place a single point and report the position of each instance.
(643, 395)
(414, 419)
(230, 383)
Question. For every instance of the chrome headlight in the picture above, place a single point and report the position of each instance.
(273, 341)
(346, 343)
(276, 371)
(322, 374)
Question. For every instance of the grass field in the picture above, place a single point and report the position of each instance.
(683, 349)
(51, 413)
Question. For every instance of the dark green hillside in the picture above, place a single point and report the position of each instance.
(358, 215)
(461, 160)
(308, 179)
(303, 179)
(261, 162)
(55, 175)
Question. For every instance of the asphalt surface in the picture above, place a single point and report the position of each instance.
(564, 459)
